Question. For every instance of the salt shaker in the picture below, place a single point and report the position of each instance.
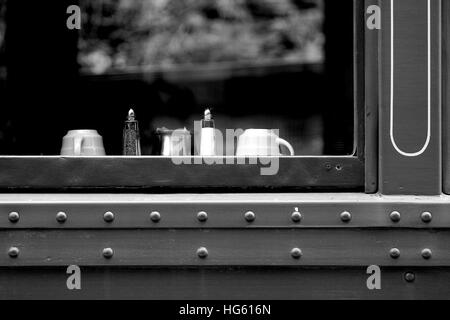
(131, 143)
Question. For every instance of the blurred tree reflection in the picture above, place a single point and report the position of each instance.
(117, 34)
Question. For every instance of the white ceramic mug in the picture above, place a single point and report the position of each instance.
(82, 143)
(261, 143)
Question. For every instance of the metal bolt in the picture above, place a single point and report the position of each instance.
(202, 252)
(394, 253)
(108, 253)
(155, 216)
(426, 217)
(346, 216)
(108, 217)
(13, 252)
(61, 217)
(296, 217)
(250, 216)
(427, 254)
(14, 217)
(395, 216)
(202, 216)
(410, 277)
(296, 253)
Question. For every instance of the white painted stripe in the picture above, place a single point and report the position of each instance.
(427, 142)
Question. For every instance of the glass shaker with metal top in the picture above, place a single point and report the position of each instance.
(174, 142)
(131, 141)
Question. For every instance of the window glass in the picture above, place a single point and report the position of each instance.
(285, 65)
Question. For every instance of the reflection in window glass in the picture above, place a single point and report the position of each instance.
(119, 35)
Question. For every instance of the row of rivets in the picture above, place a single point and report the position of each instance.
(202, 252)
(395, 216)
(155, 216)
(426, 253)
(202, 216)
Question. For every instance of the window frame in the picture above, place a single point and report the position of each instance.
(159, 174)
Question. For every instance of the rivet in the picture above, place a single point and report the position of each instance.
(346, 216)
(427, 254)
(202, 216)
(108, 253)
(61, 217)
(296, 253)
(14, 217)
(296, 217)
(250, 216)
(394, 253)
(155, 216)
(395, 216)
(202, 252)
(426, 217)
(108, 217)
(410, 277)
(13, 252)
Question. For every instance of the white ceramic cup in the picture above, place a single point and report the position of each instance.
(80, 143)
(261, 143)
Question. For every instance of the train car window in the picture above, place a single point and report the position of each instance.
(181, 94)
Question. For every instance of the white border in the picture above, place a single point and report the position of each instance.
(427, 142)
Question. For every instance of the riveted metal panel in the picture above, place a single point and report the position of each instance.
(410, 115)
(260, 247)
(312, 214)
(87, 211)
